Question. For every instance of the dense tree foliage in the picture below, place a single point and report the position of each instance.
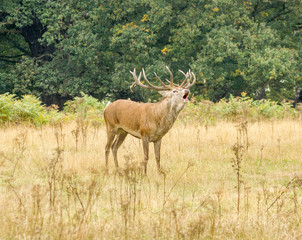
(56, 49)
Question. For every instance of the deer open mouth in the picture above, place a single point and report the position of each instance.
(185, 97)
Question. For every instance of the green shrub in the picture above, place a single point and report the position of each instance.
(7, 111)
(86, 107)
(238, 108)
(29, 109)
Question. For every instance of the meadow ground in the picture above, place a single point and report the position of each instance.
(54, 185)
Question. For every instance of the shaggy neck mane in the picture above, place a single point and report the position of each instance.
(166, 111)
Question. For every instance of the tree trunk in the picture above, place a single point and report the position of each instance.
(32, 34)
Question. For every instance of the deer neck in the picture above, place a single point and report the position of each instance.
(167, 113)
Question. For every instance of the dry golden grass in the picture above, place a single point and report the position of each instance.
(52, 190)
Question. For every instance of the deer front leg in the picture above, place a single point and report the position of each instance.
(157, 146)
(146, 152)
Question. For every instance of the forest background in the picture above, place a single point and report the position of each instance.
(57, 49)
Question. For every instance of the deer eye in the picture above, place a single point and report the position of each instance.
(175, 91)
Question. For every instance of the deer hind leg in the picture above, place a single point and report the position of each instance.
(121, 135)
(110, 137)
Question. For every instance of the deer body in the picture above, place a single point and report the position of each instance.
(152, 120)
(147, 121)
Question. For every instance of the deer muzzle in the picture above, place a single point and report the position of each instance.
(186, 95)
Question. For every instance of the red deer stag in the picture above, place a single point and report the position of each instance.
(147, 121)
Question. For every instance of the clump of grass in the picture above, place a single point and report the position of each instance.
(88, 113)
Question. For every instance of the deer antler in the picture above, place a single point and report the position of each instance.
(137, 80)
(163, 88)
(171, 77)
(149, 86)
(188, 77)
(185, 84)
(193, 82)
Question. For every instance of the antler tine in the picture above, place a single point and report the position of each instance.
(174, 84)
(194, 80)
(132, 86)
(187, 75)
(171, 76)
(188, 79)
(137, 80)
(162, 83)
(165, 87)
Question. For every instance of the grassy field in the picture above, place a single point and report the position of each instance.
(223, 181)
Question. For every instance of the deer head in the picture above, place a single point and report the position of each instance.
(177, 94)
